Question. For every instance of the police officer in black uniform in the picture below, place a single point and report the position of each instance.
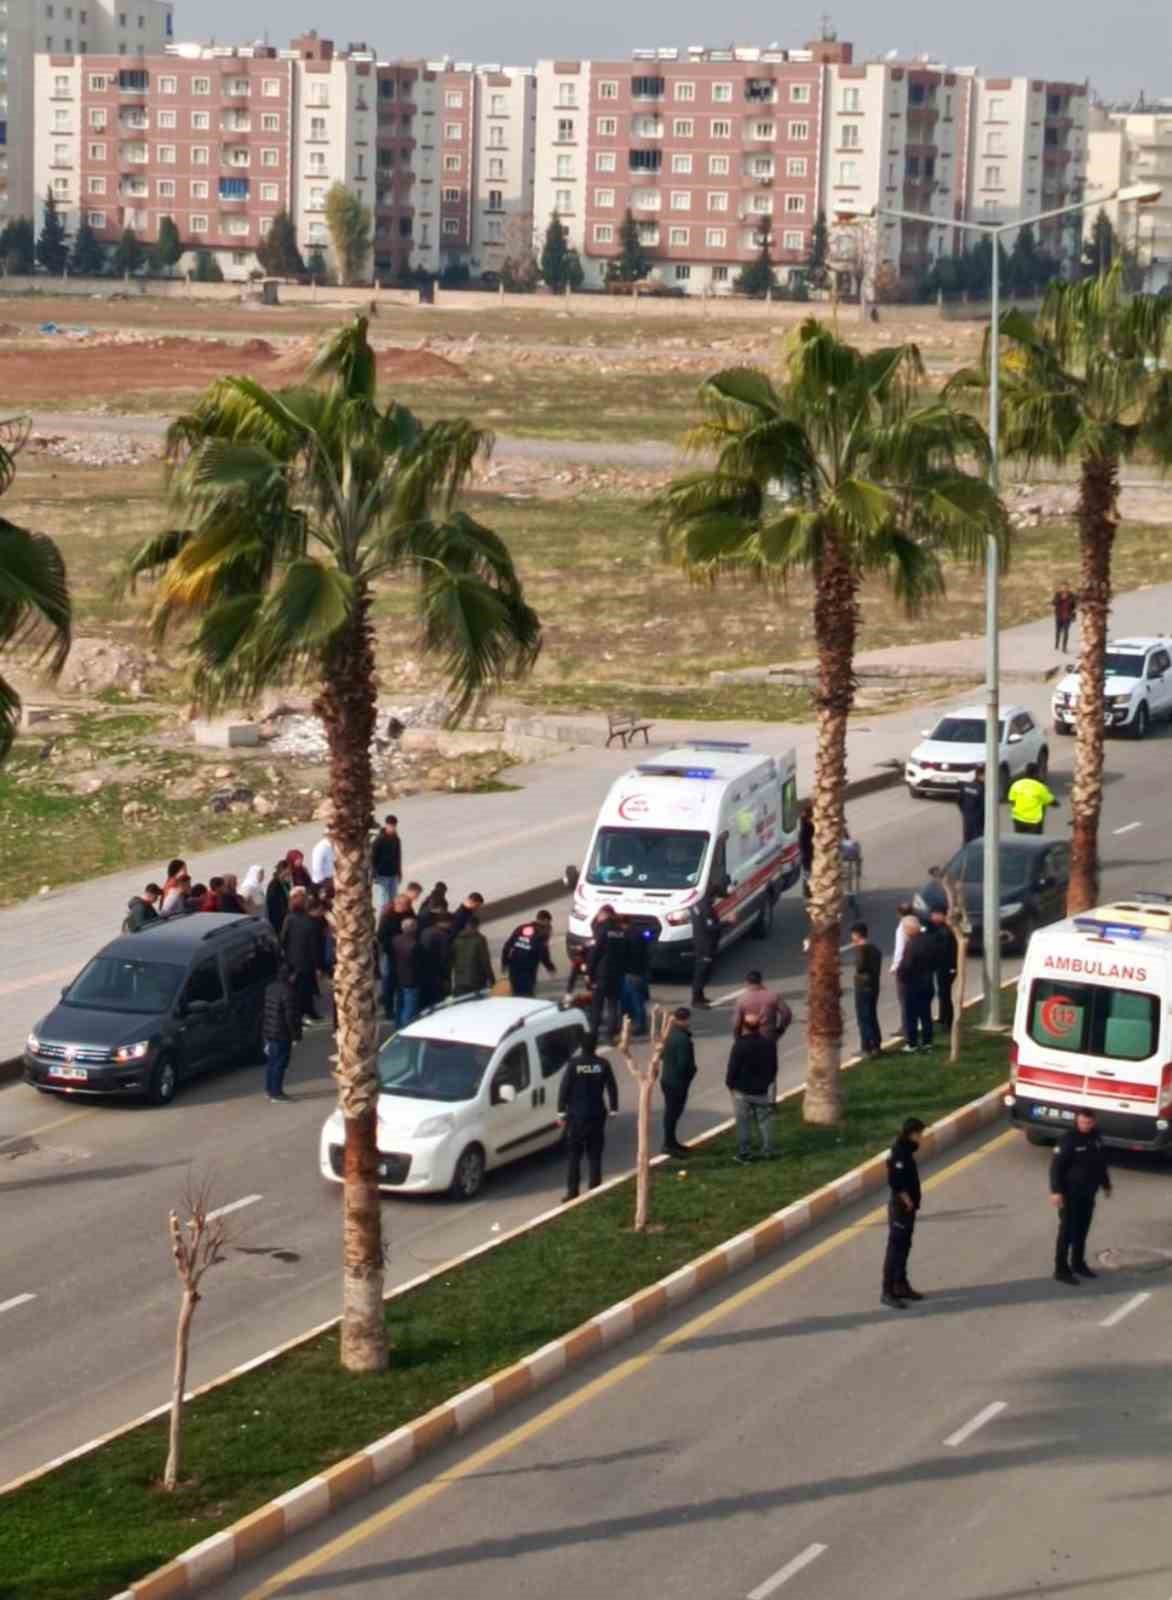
(525, 950)
(705, 943)
(606, 966)
(1077, 1173)
(903, 1203)
(588, 1083)
(970, 797)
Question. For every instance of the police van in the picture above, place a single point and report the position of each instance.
(708, 816)
(1093, 1025)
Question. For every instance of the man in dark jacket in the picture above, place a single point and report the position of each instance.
(903, 1204)
(916, 975)
(868, 971)
(945, 949)
(705, 943)
(282, 1028)
(588, 1084)
(970, 797)
(471, 906)
(607, 967)
(751, 1080)
(277, 896)
(677, 1068)
(386, 864)
(435, 973)
(471, 963)
(143, 909)
(636, 990)
(405, 955)
(390, 925)
(301, 942)
(526, 949)
(1077, 1173)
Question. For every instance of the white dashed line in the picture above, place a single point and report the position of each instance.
(1118, 1315)
(790, 1570)
(1128, 828)
(235, 1205)
(17, 1300)
(733, 994)
(979, 1421)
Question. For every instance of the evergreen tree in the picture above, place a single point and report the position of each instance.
(819, 257)
(18, 246)
(1025, 271)
(316, 265)
(1100, 248)
(758, 278)
(88, 259)
(169, 247)
(207, 268)
(277, 252)
(129, 255)
(633, 264)
(52, 246)
(555, 253)
(575, 272)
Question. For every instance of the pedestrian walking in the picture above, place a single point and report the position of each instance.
(281, 1028)
(970, 798)
(277, 896)
(636, 993)
(945, 949)
(587, 1088)
(705, 944)
(1065, 606)
(405, 955)
(143, 909)
(607, 968)
(1029, 799)
(1077, 1173)
(471, 963)
(751, 1080)
(386, 864)
(301, 943)
(917, 976)
(903, 1205)
(677, 1068)
(525, 950)
(868, 973)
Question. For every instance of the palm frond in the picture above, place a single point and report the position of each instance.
(14, 435)
(481, 634)
(35, 609)
(348, 358)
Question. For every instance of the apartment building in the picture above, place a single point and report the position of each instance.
(1027, 141)
(122, 28)
(1129, 144)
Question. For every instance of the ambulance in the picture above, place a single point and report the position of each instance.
(712, 815)
(1093, 1026)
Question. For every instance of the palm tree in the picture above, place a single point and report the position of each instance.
(840, 470)
(301, 503)
(1082, 382)
(34, 589)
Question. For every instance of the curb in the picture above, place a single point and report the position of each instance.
(11, 1071)
(387, 1458)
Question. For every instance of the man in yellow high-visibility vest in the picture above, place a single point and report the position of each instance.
(1028, 800)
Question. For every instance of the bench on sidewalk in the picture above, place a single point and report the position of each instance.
(625, 725)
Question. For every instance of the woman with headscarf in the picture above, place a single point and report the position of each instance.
(298, 872)
(252, 890)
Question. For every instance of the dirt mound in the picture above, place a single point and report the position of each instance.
(9, 330)
(397, 363)
(257, 347)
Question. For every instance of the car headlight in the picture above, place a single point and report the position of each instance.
(678, 919)
(1118, 700)
(1013, 909)
(132, 1052)
(32, 1044)
(433, 1127)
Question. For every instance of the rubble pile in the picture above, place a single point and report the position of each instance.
(94, 449)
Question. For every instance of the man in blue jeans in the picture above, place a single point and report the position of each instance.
(636, 993)
(386, 864)
(281, 1028)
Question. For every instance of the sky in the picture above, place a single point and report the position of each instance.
(1123, 46)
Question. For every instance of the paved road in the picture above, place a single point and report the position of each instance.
(792, 1438)
(86, 1202)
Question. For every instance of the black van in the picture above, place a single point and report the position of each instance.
(156, 1007)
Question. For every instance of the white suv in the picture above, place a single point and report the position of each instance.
(1137, 689)
(470, 1085)
(956, 745)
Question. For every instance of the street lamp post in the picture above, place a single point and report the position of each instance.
(1141, 194)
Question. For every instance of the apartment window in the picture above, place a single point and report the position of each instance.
(452, 132)
(496, 138)
(720, 274)
(683, 127)
(199, 224)
(49, 43)
(648, 233)
(567, 94)
(848, 136)
(722, 93)
(721, 129)
(646, 87)
(793, 239)
(453, 99)
(199, 188)
(645, 160)
(992, 177)
(96, 219)
(319, 94)
(496, 107)
(496, 167)
(238, 226)
(201, 86)
(996, 111)
(565, 167)
(270, 122)
(239, 158)
(994, 144)
(764, 130)
(317, 128)
(97, 152)
(451, 225)
(61, 85)
(270, 87)
(795, 203)
(168, 85)
(496, 199)
(717, 166)
(604, 161)
(451, 163)
(168, 119)
(199, 155)
(96, 185)
(762, 204)
(762, 167)
(61, 120)
(97, 117)
(603, 233)
(201, 121)
(563, 200)
(677, 236)
(715, 238)
(165, 188)
(684, 91)
(165, 154)
(61, 155)
(683, 270)
(98, 82)
(603, 198)
(645, 199)
(648, 128)
(681, 200)
(848, 172)
(494, 231)
(565, 130)
(608, 89)
(796, 166)
(717, 200)
(681, 163)
(852, 100)
(271, 157)
(799, 132)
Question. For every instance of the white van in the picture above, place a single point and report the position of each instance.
(708, 815)
(1093, 1025)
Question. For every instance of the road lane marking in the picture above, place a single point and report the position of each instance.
(979, 1421)
(17, 1300)
(566, 1407)
(733, 994)
(45, 1127)
(14, 985)
(1129, 828)
(235, 1205)
(790, 1570)
(1126, 1309)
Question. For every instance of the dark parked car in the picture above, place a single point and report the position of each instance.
(156, 1007)
(1035, 874)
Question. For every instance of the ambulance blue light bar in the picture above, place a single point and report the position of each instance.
(653, 771)
(1108, 930)
(735, 745)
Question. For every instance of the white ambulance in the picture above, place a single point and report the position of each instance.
(1093, 1025)
(712, 815)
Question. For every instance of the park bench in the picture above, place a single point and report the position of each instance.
(625, 725)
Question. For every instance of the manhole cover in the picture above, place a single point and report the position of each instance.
(1135, 1259)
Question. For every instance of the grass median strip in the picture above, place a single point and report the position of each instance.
(95, 1524)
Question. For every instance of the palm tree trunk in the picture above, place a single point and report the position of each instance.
(346, 705)
(835, 627)
(1098, 495)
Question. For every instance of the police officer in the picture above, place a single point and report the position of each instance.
(606, 967)
(705, 942)
(588, 1083)
(970, 797)
(1077, 1173)
(946, 952)
(525, 950)
(903, 1203)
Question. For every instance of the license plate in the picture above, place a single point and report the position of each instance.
(1052, 1114)
(70, 1074)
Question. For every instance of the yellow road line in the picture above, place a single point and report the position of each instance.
(598, 1386)
(46, 1127)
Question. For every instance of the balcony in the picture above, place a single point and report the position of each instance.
(235, 127)
(761, 91)
(138, 124)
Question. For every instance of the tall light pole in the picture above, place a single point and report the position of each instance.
(1141, 194)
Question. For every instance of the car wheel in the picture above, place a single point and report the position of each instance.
(164, 1082)
(763, 922)
(1034, 1137)
(1141, 723)
(1044, 762)
(468, 1178)
(1005, 780)
(1065, 729)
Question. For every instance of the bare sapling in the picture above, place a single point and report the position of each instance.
(646, 1075)
(196, 1245)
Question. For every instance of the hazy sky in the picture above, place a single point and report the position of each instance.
(1123, 46)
